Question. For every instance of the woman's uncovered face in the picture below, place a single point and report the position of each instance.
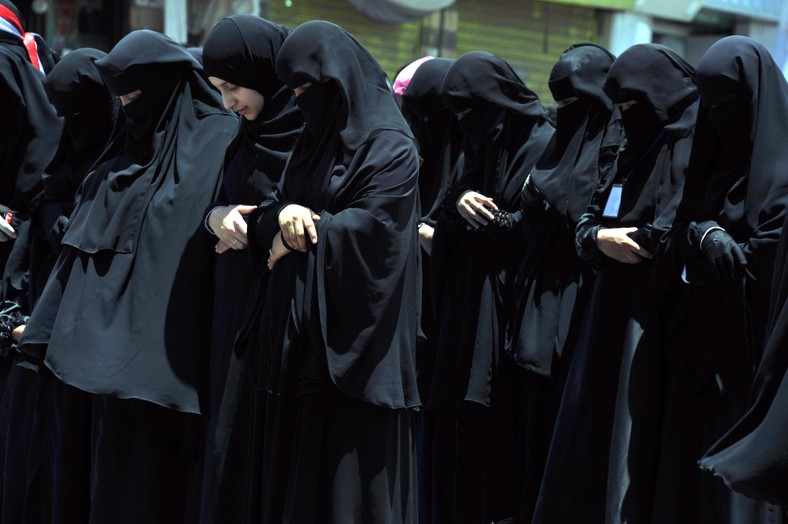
(246, 102)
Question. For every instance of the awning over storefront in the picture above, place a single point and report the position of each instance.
(398, 11)
(599, 4)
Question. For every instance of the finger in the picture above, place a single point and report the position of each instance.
(245, 209)
(728, 266)
(315, 217)
(300, 239)
(484, 212)
(489, 203)
(470, 217)
(239, 226)
(311, 230)
(290, 235)
(740, 257)
(643, 252)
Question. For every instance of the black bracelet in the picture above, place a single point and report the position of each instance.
(284, 242)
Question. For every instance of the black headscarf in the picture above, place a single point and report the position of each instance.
(569, 170)
(660, 81)
(658, 130)
(552, 282)
(473, 271)
(242, 50)
(356, 164)
(127, 308)
(505, 125)
(361, 81)
(437, 131)
(77, 91)
(172, 91)
(739, 168)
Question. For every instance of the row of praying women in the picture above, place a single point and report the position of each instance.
(266, 289)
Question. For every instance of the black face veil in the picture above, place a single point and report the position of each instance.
(568, 171)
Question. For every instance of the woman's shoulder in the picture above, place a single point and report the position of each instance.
(394, 142)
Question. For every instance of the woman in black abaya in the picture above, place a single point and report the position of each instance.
(553, 282)
(46, 437)
(751, 457)
(603, 456)
(474, 260)
(124, 315)
(725, 241)
(440, 142)
(28, 140)
(239, 58)
(339, 321)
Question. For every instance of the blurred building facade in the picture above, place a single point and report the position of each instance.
(530, 34)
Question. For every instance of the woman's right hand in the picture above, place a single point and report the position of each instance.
(475, 208)
(228, 224)
(295, 223)
(616, 244)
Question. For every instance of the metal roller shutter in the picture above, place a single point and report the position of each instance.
(393, 45)
(528, 34)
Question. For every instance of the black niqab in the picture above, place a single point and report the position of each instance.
(136, 252)
(356, 165)
(568, 172)
(641, 74)
(437, 130)
(168, 77)
(552, 282)
(739, 163)
(506, 120)
(653, 164)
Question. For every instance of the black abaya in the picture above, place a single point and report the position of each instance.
(553, 283)
(738, 181)
(473, 272)
(601, 466)
(125, 313)
(338, 324)
(57, 426)
(242, 50)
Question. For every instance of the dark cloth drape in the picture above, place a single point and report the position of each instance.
(136, 233)
(338, 323)
(29, 138)
(736, 181)
(552, 282)
(54, 434)
(242, 49)
(603, 455)
(471, 393)
(751, 457)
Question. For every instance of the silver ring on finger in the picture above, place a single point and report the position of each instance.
(235, 241)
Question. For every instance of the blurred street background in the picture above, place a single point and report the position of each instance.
(529, 34)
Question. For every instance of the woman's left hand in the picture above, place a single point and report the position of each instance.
(16, 334)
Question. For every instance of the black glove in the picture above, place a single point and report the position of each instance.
(725, 257)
